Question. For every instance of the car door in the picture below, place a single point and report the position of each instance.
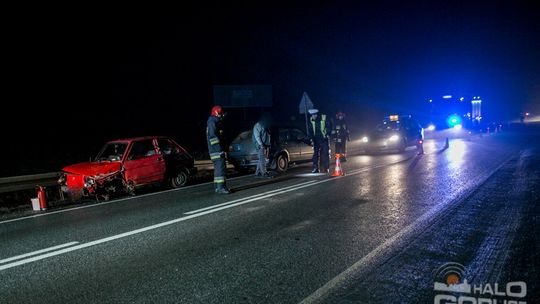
(293, 146)
(299, 137)
(174, 155)
(144, 164)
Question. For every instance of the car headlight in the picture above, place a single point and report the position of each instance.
(431, 127)
(88, 182)
(62, 179)
(365, 139)
(393, 138)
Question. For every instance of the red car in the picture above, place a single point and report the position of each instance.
(124, 165)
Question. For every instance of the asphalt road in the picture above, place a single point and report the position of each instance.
(375, 235)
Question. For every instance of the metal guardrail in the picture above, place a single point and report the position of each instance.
(28, 182)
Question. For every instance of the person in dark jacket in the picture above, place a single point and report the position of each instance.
(261, 139)
(318, 132)
(216, 149)
(340, 135)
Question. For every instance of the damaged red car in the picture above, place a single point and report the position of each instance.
(125, 165)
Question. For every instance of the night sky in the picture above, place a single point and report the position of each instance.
(76, 80)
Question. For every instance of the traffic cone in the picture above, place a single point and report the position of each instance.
(337, 170)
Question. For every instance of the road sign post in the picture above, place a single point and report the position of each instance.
(305, 105)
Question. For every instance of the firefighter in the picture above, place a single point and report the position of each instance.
(216, 148)
(340, 135)
(318, 132)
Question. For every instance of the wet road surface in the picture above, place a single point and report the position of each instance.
(375, 235)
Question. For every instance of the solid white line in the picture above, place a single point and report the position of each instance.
(107, 203)
(278, 191)
(417, 226)
(247, 198)
(111, 202)
(37, 252)
(155, 193)
(185, 218)
(152, 227)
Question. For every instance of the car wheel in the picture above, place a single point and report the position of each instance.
(180, 179)
(282, 163)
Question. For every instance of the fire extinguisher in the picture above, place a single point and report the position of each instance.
(42, 197)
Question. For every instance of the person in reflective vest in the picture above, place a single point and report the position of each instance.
(216, 148)
(318, 133)
(340, 135)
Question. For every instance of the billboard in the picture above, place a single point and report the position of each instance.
(242, 96)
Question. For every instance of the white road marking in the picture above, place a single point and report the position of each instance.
(22, 256)
(156, 226)
(412, 229)
(246, 198)
(227, 205)
(110, 202)
(155, 193)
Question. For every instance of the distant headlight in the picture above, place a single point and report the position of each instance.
(365, 139)
(431, 128)
(393, 138)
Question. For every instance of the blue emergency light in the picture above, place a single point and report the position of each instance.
(453, 121)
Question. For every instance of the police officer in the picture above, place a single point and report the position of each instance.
(319, 132)
(216, 148)
(340, 135)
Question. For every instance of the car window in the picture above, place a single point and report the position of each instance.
(283, 134)
(296, 134)
(389, 125)
(141, 149)
(168, 147)
(112, 151)
(243, 136)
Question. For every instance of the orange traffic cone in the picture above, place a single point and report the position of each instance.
(337, 170)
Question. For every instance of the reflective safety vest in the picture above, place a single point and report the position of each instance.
(324, 131)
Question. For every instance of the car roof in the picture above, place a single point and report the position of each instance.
(130, 139)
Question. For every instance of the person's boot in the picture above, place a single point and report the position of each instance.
(223, 190)
(267, 175)
(315, 170)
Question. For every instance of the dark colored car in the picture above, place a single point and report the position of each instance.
(124, 165)
(288, 145)
(396, 132)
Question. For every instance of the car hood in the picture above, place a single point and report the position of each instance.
(93, 168)
(382, 134)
